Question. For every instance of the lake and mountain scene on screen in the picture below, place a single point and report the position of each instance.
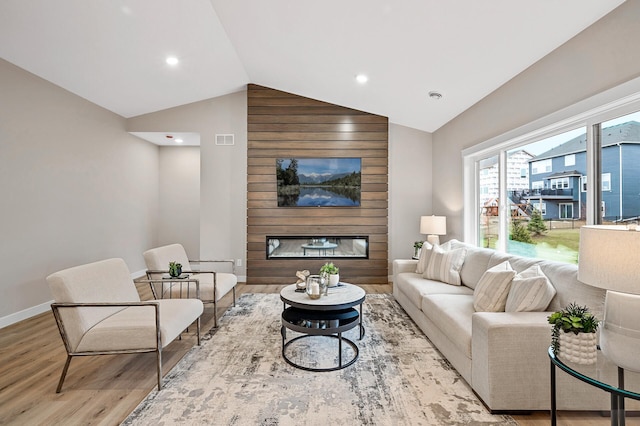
(318, 182)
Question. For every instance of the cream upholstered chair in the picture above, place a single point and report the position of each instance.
(213, 285)
(99, 312)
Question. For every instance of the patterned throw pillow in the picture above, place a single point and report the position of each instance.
(423, 260)
(531, 291)
(491, 292)
(445, 265)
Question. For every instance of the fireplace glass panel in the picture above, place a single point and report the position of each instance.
(279, 247)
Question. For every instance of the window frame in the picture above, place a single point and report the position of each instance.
(589, 114)
(560, 210)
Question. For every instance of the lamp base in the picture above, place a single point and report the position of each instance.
(433, 239)
(620, 334)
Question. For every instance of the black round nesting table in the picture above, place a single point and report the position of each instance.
(330, 316)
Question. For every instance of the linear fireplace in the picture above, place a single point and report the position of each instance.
(305, 247)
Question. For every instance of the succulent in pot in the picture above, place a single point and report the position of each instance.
(332, 272)
(175, 269)
(573, 337)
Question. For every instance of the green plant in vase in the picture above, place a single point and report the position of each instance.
(417, 246)
(574, 326)
(175, 269)
(331, 272)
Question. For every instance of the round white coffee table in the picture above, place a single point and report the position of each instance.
(330, 315)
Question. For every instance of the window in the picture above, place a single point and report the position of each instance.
(570, 160)
(612, 196)
(488, 190)
(541, 207)
(559, 183)
(543, 166)
(566, 210)
(606, 181)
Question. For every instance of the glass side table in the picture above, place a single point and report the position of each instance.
(616, 390)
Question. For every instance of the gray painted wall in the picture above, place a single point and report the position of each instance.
(410, 190)
(179, 213)
(222, 209)
(601, 57)
(76, 188)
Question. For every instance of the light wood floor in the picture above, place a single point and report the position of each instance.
(103, 390)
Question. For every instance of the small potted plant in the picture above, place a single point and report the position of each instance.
(175, 269)
(573, 336)
(332, 272)
(417, 246)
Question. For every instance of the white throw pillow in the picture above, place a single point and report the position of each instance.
(445, 265)
(492, 290)
(531, 291)
(423, 260)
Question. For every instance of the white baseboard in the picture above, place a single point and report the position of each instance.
(25, 314)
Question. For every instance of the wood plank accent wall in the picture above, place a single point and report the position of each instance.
(283, 125)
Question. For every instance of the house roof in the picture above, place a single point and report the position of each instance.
(568, 173)
(628, 132)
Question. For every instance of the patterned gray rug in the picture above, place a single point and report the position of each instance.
(238, 376)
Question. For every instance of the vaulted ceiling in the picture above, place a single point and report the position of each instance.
(112, 52)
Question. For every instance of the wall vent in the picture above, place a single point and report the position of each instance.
(227, 139)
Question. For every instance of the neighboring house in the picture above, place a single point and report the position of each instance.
(557, 178)
(517, 175)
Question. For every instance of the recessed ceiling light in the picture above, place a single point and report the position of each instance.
(435, 95)
(179, 140)
(361, 78)
(172, 60)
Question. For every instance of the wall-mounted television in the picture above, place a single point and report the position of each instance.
(318, 182)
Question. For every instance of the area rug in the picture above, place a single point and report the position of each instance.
(238, 376)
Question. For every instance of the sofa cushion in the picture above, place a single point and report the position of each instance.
(530, 291)
(445, 265)
(452, 314)
(491, 292)
(476, 262)
(415, 287)
(518, 263)
(564, 277)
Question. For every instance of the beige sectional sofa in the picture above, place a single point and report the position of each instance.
(502, 355)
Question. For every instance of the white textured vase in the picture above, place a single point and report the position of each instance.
(334, 279)
(577, 348)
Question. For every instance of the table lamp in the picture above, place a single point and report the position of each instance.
(433, 226)
(609, 258)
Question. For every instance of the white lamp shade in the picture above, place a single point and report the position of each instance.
(619, 336)
(609, 258)
(433, 225)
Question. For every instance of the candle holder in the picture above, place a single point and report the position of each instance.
(316, 286)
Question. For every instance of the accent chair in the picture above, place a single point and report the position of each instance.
(99, 312)
(213, 285)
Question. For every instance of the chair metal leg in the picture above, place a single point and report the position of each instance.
(234, 296)
(198, 329)
(64, 373)
(215, 314)
(159, 358)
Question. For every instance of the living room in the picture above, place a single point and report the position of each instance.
(81, 187)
